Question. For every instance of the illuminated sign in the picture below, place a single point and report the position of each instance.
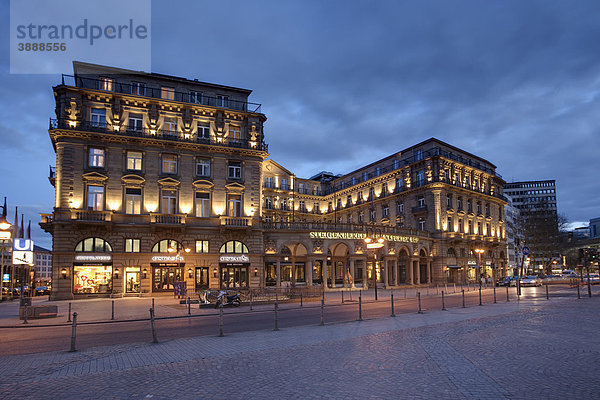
(167, 258)
(237, 258)
(361, 236)
(471, 263)
(23, 244)
(93, 257)
(4, 235)
(23, 252)
(5, 277)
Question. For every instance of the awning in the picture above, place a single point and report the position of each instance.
(454, 266)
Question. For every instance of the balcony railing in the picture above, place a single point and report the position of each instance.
(167, 219)
(333, 227)
(236, 222)
(88, 126)
(419, 209)
(91, 215)
(116, 86)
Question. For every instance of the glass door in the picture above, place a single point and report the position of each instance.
(201, 278)
(132, 280)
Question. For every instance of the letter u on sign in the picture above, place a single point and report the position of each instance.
(23, 245)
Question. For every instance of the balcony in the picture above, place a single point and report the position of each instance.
(419, 209)
(91, 215)
(339, 227)
(157, 93)
(167, 219)
(52, 176)
(88, 126)
(235, 222)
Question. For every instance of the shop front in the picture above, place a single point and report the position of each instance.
(233, 271)
(166, 271)
(92, 274)
(132, 280)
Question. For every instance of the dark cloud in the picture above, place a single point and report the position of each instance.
(345, 83)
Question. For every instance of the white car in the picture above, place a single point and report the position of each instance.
(531, 280)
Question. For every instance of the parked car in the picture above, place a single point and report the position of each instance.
(42, 290)
(508, 281)
(594, 279)
(531, 280)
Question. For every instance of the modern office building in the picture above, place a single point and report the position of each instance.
(514, 236)
(42, 266)
(163, 182)
(531, 196)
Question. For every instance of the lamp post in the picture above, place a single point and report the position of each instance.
(4, 236)
(479, 253)
(178, 256)
(374, 241)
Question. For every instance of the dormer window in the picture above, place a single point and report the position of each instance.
(167, 93)
(106, 84)
(222, 100)
(138, 88)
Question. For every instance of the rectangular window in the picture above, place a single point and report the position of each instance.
(234, 133)
(268, 203)
(203, 131)
(395, 164)
(132, 245)
(203, 167)
(138, 88)
(301, 188)
(316, 208)
(133, 201)
(448, 201)
(167, 93)
(235, 170)
(459, 203)
(134, 160)
(399, 183)
(284, 184)
(201, 246)
(421, 201)
(479, 230)
(469, 206)
(361, 217)
(470, 227)
(365, 176)
(170, 124)
(169, 164)
(136, 122)
(95, 197)
(98, 117)
(386, 211)
(222, 101)
(384, 189)
(420, 178)
(421, 224)
(450, 227)
(234, 205)
(461, 228)
(106, 84)
(353, 180)
(202, 204)
(418, 155)
(373, 215)
(377, 171)
(169, 202)
(269, 182)
(399, 208)
(301, 206)
(195, 97)
(96, 158)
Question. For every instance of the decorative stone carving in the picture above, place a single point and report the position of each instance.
(317, 246)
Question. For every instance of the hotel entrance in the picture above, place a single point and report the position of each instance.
(202, 278)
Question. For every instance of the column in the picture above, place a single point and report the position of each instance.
(365, 274)
(386, 272)
(324, 273)
(418, 277)
(352, 273)
(293, 271)
(278, 271)
(428, 271)
(410, 266)
(308, 271)
(395, 274)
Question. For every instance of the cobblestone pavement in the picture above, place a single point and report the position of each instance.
(535, 349)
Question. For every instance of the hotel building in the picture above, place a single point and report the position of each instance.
(163, 182)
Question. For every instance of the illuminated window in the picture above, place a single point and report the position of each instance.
(164, 245)
(133, 200)
(106, 84)
(234, 133)
(234, 205)
(170, 124)
(132, 245)
(138, 88)
(134, 160)
(234, 246)
(235, 170)
(203, 167)
(169, 164)
(196, 97)
(201, 246)
(203, 204)
(95, 198)
(169, 201)
(93, 244)
(96, 158)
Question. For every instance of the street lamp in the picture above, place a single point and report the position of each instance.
(479, 253)
(4, 236)
(178, 256)
(374, 241)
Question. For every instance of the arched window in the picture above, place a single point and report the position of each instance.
(94, 244)
(234, 246)
(164, 245)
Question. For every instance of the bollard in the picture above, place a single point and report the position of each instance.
(322, 305)
(250, 301)
(73, 332)
(25, 316)
(507, 294)
(152, 326)
(404, 292)
(455, 288)
(69, 318)
(578, 293)
(112, 313)
(427, 292)
(437, 290)
(221, 320)
(275, 327)
(360, 305)
(547, 294)
(189, 306)
(342, 297)
(494, 293)
(153, 304)
(443, 302)
(480, 296)
(301, 301)
(419, 297)
(589, 287)
(392, 303)
(463, 298)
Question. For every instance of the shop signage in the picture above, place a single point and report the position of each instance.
(22, 251)
(93, 257)
(471, 263)
(168, 258)
(5, 277)
(237, 258)
(361, 236)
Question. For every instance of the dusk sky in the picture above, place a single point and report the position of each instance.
(344, 83)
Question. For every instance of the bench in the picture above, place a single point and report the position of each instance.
(38, 312)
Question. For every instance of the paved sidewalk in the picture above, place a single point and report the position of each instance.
(530, 349)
